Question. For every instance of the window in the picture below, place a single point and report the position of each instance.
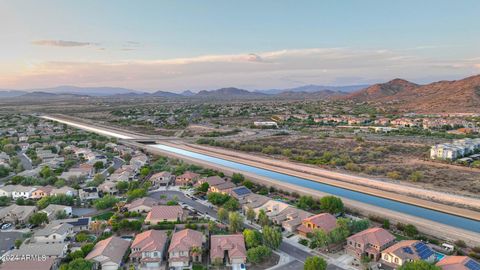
(396, 260)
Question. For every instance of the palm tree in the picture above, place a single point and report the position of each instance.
(196, 251)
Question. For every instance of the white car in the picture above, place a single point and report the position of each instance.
(6, 226)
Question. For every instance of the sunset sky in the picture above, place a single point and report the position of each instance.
(179, 45)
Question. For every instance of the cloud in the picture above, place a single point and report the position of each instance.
(61, 43)
(255, 70)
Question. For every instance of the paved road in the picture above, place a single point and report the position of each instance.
(181, 197)
(117, 163)
(7, 240)
(293, 265)
(26, 163)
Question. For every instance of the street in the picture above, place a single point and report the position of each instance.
(7, 240)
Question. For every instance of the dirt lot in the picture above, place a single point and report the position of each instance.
(389, 158)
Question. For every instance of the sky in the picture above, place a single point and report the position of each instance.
(195, 45)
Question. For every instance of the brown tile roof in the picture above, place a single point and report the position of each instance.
(161, 212)
(189, 175)
(213, 180)
(113, 248)
(147, 201)
(324, 221)
(226, 185)
(454, 263)
(235, 244)
(185, 239)
(151, 240)
(374, 236)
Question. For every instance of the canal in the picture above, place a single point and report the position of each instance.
(440, 217)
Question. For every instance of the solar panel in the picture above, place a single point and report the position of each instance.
(408, 250)
(242, 191)
(472, 265)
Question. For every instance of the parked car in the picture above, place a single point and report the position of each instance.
(6, 226)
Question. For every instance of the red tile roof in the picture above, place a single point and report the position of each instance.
(374, 236)
(168, 212)
(184, 240)
(235, 244)
(151, 240)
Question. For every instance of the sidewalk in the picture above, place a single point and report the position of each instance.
(284, 259)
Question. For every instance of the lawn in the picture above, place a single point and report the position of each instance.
(104, 216)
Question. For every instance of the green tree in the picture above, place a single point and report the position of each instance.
(122, 186)
(18, 243)
(238, 178)
(331, 204)
(250, 214)
(319, 238)
(306, 202)
(222, 214)
(410, 230)
(77, 264)
(315, 263)
(232, 204)
(144, 172)
(263, 219)
(98, 165)
(203, 187)
(45, 172)
(106, 202)
(81, 237)
(38, 218)
(235, 222)
(416, 176)
(272, 237)
(253, 238)
(258, 254)
(418, 265)
(217, 198)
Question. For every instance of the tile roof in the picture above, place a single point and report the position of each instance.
(151, 240)
(406, 250)
(189, 175)
(145, 201)
(454, 263)
(56, 250)
(374, 236)
(52, 228)
(113, 248)
(324, 221)
(185, 239)
(161, 212)
(235, 244)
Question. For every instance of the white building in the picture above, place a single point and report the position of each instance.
(456, 149)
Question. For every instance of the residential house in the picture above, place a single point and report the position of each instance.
(47, 264)
(124, 173)
(458, 263)
(108, 187)
(17, 213)
(41, 192)
(88, 194)
(162, 179)
(187, 178)
(272, 208)
(407, 251)
(64, 190)
(141, 205)
(53, 210)
(6, 191)
(228, 249)
(240, 192)
(109, 252)
(224, 188)
(253, 201)
(23, 192)
(211, 180)
(37, 250)
(79, 224)
(369, 243)
(185, 247)
(324, 221)
(53, 233)
(139, 160)
(148, 248)
(290, 218)
(161, 213)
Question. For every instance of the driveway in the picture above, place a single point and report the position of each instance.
(26, 163)
(7, 240)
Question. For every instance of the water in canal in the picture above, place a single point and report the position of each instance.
(440, 217)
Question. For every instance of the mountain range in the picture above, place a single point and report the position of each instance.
(443, 96)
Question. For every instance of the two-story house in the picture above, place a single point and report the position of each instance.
(185, 248)
(369, 243)
(148, 249)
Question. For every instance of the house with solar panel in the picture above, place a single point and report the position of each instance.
(458, 263)
(407, 251)
(369, 243)
(240, 192)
